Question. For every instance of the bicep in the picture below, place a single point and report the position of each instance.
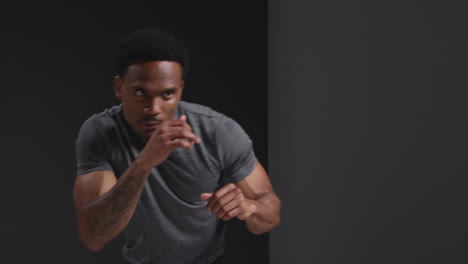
(90, 186)
(256, 183)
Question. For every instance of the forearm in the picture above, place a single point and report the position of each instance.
(103, 219)
(266, 214)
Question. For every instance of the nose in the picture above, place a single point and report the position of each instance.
(153, 106)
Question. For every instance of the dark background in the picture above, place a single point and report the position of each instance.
(57, 69)
(367, 119)
(368, 131)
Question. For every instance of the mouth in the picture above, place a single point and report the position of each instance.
(151, 125)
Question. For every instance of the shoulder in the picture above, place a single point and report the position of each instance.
(97, 124)
(200, 116)
(197, 110)
(105, 118)
(93, 144)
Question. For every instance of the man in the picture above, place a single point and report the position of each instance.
(166, 173)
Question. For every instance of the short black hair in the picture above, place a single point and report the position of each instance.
(151, 45)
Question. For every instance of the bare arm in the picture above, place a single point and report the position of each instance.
(258, 190)
(251, 200)
(105, 205)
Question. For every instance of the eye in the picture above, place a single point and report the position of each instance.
(168, 94)
(140, 92)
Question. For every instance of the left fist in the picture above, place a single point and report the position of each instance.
(229, 202)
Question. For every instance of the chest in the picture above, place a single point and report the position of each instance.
(188, 173)
(183, 176)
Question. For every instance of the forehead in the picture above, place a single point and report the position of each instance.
(154, 71)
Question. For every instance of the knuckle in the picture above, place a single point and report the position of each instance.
(158, 131)
(186, 134)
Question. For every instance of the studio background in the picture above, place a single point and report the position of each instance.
(368, 131)
(57, 70)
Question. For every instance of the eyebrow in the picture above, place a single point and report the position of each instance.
(172, 89)
(137, 87)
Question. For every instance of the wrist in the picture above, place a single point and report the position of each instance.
(142, 165)
(252, 209)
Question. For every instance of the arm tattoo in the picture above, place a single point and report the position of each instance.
(118, 205)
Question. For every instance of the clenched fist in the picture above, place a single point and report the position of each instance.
(168, 135)
(229, 202)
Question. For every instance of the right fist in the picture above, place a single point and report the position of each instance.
(168, 135)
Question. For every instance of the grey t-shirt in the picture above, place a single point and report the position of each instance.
(170, 223)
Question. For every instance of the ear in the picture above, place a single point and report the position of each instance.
(182, 85)
(118, 86)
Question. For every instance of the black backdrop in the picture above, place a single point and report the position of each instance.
(367, 108)
(368, 131)
(57, 69)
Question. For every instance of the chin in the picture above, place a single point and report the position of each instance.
(147, 135)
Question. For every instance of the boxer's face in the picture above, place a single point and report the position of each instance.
(150, 92)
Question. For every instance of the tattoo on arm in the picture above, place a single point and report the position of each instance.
(117, 206)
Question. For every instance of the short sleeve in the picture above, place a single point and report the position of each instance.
(90, 149)
(235, 150)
